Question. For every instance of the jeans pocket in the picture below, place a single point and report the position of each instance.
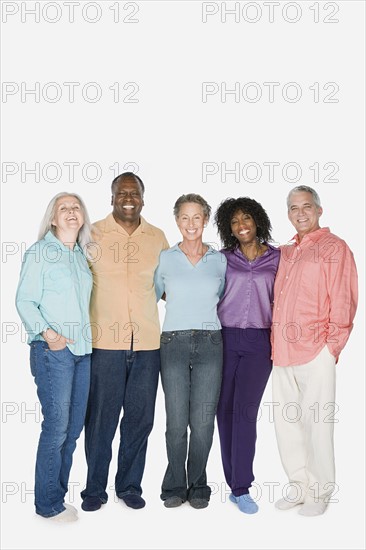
(58, 354)
(57, 350)
(166, 338)
(215, 336)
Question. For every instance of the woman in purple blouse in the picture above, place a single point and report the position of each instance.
(245, 312)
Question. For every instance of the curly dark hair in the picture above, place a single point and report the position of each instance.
(226, 211)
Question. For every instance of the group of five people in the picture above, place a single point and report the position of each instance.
(230, 314)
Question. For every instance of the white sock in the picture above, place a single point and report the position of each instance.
(65, 516)
(311, 508)
(71, 508)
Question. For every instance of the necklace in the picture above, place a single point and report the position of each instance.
(257, 251)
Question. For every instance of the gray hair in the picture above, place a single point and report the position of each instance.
(84, 237)
(304, 189)
(192, 197)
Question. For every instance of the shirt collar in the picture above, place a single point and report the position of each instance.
(313, 236)
(112, 225)
(237, 252)
(51, 238)
(176, 248)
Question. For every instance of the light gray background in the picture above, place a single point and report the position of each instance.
(166, 137)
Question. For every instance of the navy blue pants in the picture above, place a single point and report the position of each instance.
(247, 366)
(128, 380)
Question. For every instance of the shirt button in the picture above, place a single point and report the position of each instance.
(286, 276)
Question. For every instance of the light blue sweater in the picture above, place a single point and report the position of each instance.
(54, 291)
(192, 291)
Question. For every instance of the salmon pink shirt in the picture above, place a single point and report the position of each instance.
(315, 298)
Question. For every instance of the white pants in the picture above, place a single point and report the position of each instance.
(304, 415)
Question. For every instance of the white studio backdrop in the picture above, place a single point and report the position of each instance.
(217, 98)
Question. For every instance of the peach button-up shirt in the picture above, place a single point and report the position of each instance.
(315, 298)
(123, 298)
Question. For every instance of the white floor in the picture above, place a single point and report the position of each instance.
(219, 526)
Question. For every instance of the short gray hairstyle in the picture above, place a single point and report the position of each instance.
(304, 189)
(126, 175)
(192, 197)
(84, 236)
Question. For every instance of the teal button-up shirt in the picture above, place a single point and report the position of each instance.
(54, 291)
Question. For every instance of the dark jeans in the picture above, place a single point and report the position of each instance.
(62, 380)
(191, 369)
(127, 379)
(247, 366)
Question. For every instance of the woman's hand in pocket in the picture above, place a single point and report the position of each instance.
(56, 341)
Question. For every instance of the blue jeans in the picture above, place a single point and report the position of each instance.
(127, 379)
(191, 369)
(62, 380)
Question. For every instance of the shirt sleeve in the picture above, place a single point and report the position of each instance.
(165, 243)
(29, 292)
(341, 280)
(158, 280)
(223, 274)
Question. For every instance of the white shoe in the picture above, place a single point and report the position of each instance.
(71, 508)
(65, 516)
(311, 508)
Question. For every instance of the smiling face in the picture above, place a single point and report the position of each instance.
(68, 215)
(243, 227)
(191, 221)
(303, 213)
(127, 200)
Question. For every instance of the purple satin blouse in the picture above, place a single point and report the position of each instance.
(248, 296)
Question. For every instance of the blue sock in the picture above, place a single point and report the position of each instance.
(246, 504)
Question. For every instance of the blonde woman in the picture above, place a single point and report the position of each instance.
(53, 302)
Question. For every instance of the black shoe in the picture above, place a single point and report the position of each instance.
(91, 504)
(133, 500)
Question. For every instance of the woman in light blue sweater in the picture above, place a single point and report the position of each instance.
(191, 274)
